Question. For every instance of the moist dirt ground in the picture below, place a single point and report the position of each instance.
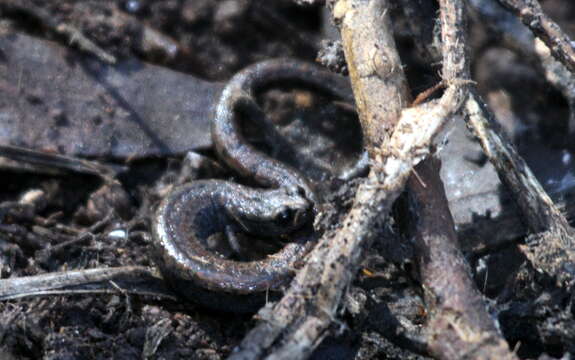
(54, 221)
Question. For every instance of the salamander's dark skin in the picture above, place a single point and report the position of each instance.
(239, 96)
(193, 212)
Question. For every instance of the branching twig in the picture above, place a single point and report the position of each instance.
(299, 321)
(459, 325)
(551, 249)
(531, 14)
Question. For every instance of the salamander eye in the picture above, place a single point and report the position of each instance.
(296, 190)
(284, 217)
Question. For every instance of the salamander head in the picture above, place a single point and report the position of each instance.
(278, 211)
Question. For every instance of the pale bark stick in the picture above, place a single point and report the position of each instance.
(137, 280)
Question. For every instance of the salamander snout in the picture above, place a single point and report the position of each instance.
(293, 211)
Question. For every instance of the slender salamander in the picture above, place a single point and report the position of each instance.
(193, 212)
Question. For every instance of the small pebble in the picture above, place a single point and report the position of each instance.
(117, 234)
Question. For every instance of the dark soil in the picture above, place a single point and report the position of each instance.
(384, 312)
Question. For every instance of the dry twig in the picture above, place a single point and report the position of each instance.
(458, 325)
(531, 14)
(73, 35)
(135, 279)
(551, 248)
(560, 77)
(61, 162)
(518, 38)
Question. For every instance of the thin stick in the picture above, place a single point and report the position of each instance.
(107, 173)
(458, 325)
(73, 35)
(552, 248)
(531, 14)
(137, 279)
(519, 39)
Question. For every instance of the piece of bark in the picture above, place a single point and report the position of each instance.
(52, 99)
